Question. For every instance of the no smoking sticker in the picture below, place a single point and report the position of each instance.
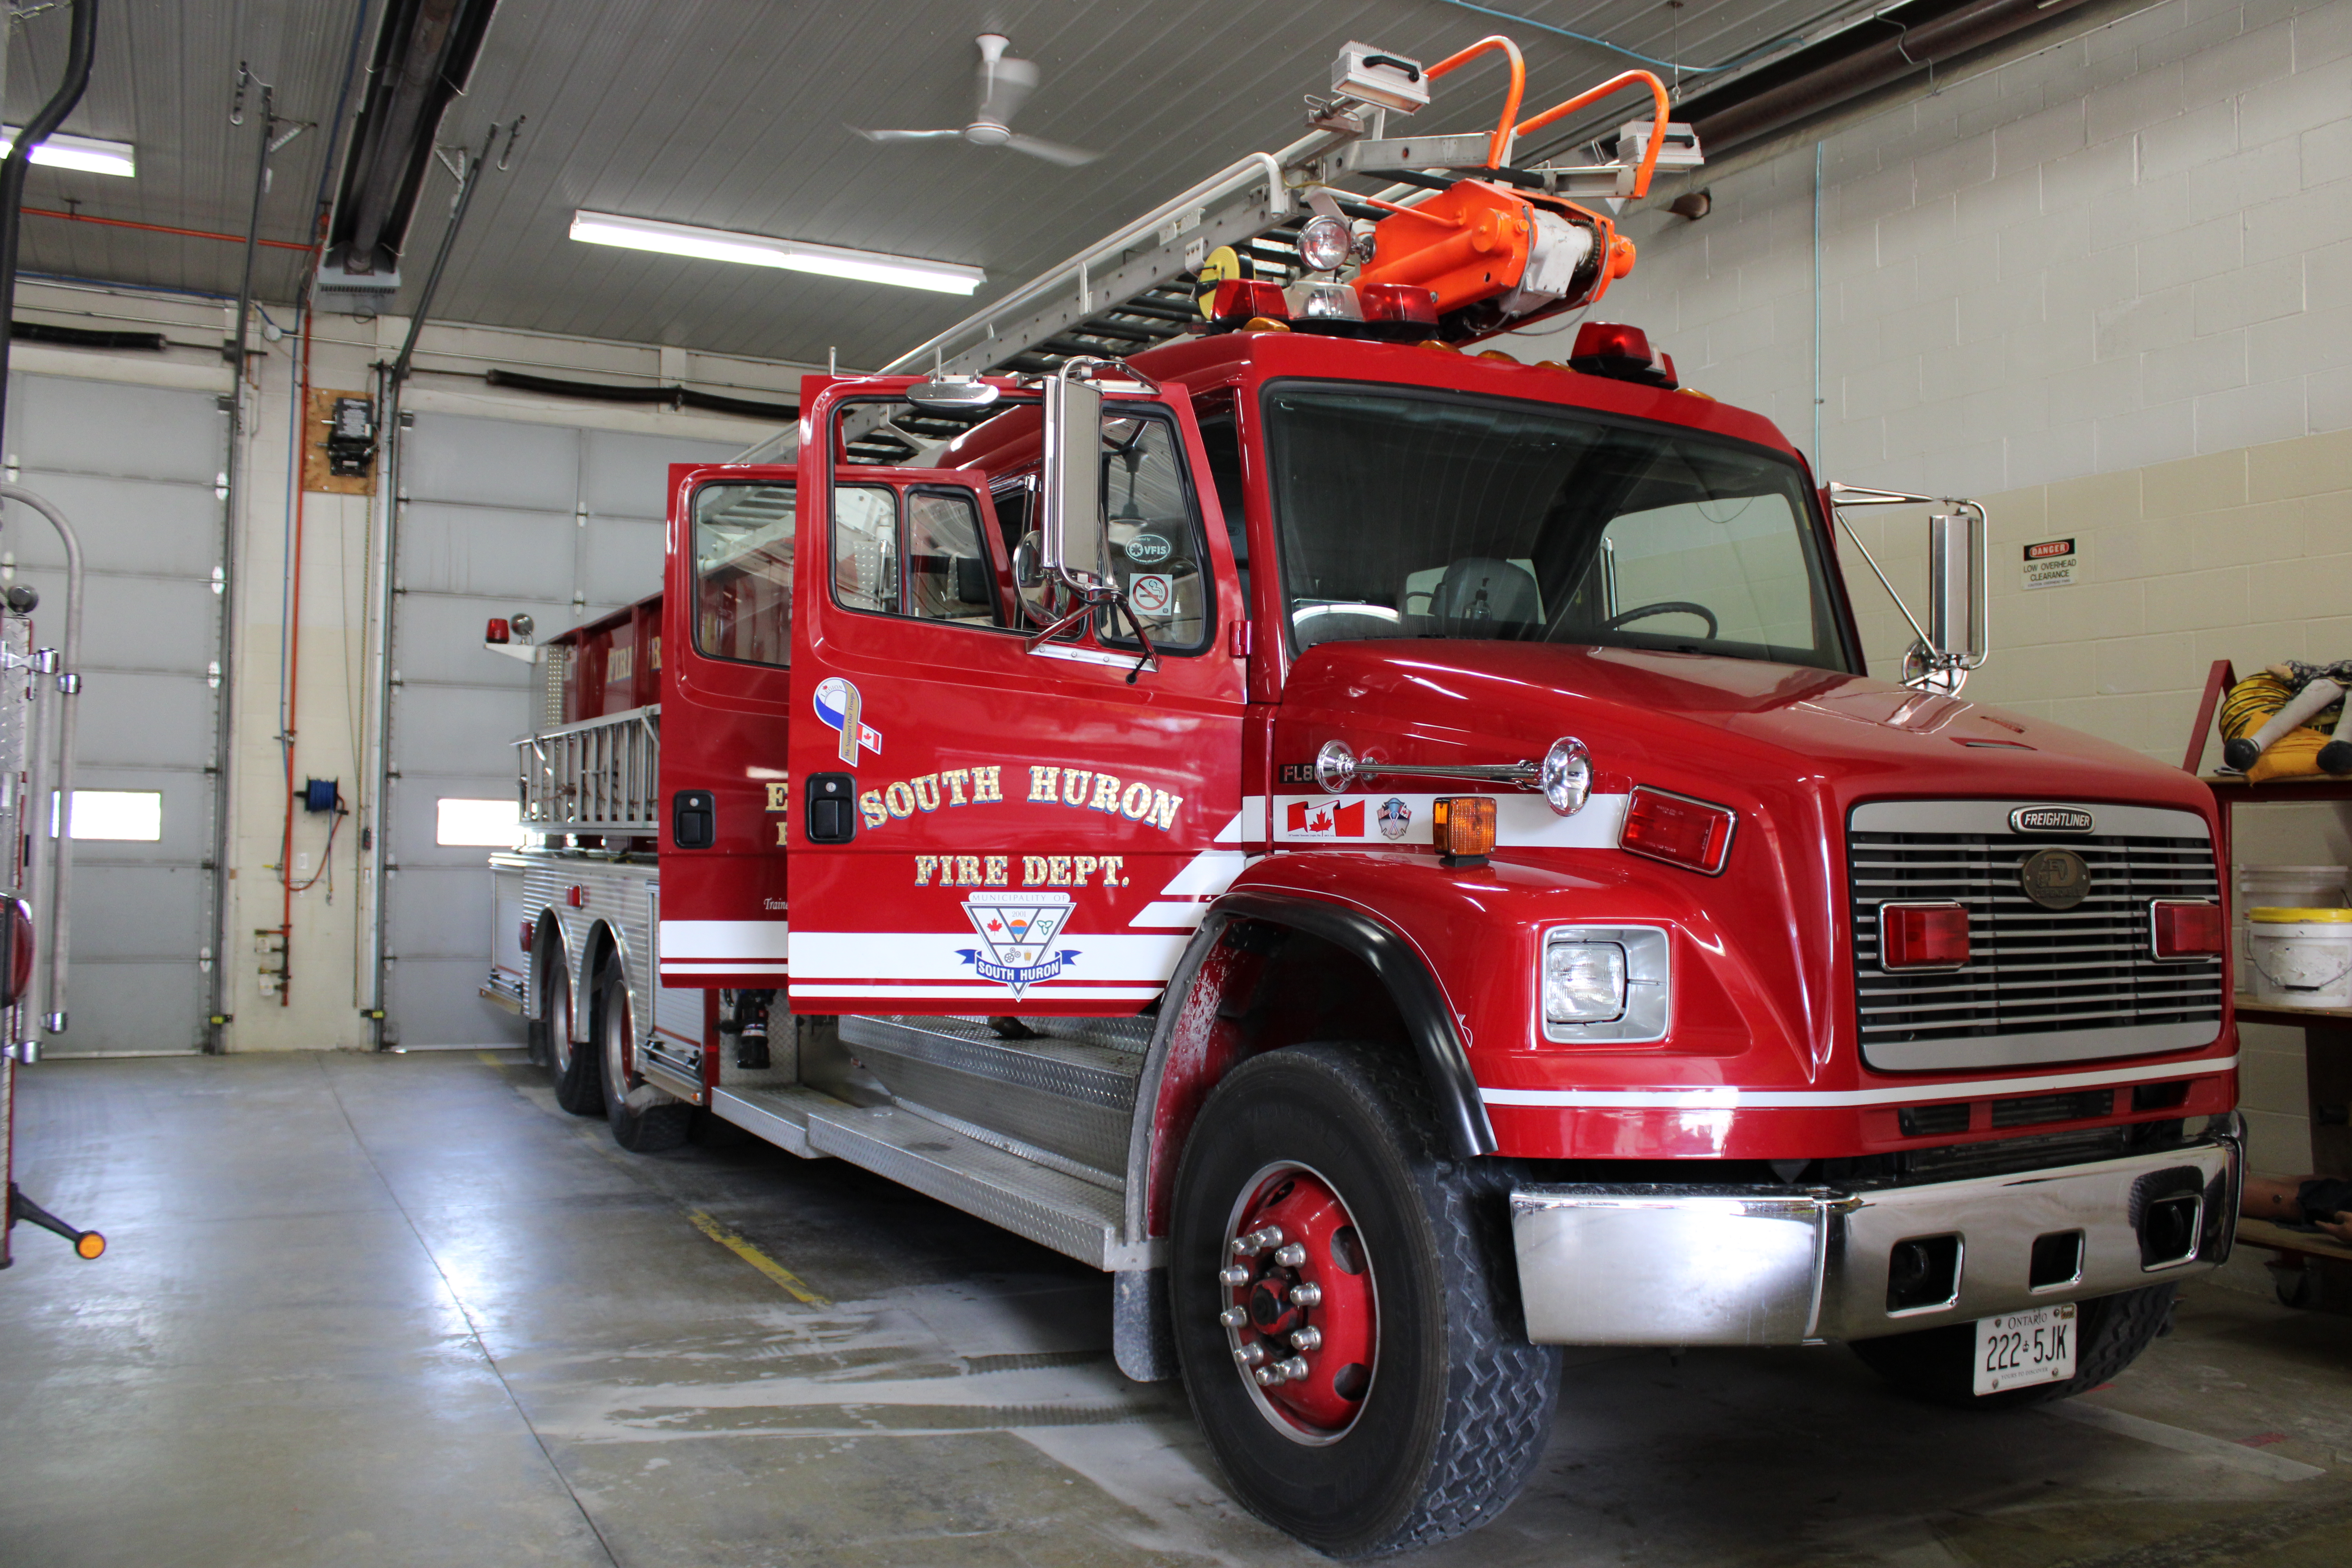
(1151, 593)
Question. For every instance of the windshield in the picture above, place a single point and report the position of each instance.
(1404, 515)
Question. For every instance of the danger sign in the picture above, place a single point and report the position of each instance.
(2051, 564)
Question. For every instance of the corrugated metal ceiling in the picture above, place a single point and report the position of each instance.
(734, 114)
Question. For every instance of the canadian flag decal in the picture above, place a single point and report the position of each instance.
(1338, 821)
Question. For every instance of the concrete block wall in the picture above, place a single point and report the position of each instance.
(2106, 290)
(2132, 247)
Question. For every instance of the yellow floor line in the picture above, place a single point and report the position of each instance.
(758, 1259)
(489, 1059)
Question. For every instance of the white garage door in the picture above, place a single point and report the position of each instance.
(138, 471)
(563, 524)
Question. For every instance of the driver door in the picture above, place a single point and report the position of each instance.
(987, 827)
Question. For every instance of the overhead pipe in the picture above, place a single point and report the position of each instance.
(1901, 51)
(82, 43)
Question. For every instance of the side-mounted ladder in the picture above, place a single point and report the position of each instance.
(1140, 286)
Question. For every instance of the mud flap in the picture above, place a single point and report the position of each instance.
(1142, 1334)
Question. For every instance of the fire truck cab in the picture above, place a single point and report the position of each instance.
(1393, 852)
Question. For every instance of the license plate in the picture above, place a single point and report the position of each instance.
(2017, 1349)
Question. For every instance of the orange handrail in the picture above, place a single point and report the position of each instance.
(1627, 78)
(1498, 146)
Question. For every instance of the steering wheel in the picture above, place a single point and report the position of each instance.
(1665, 607)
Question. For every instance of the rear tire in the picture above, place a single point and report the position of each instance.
(1938, 1364)
(644, 1120)
(1424, 1407)
(578, 1088)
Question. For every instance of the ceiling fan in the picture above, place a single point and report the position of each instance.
(1003, 84)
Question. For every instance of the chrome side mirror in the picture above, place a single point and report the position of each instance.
(1075, 538)
(1956, 638)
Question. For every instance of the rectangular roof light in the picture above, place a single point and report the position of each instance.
(87, 153)
(759, 250)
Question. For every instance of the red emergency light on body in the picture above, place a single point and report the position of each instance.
(2177, 929)
(1923, 936)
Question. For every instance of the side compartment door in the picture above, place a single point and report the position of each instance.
(726, 690)
(1025, 830)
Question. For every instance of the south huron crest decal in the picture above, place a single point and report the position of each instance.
(1018, 929)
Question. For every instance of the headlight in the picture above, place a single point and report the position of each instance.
(1605, 984)
(1584, 983)
(1324, 243)
(1567, 775)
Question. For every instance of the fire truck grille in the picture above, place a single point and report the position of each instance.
(2040, 984)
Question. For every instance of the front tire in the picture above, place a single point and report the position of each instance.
(644, 1120)
(1405, 1404)
(1938, 1365)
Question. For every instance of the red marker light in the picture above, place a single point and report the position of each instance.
(1679, 829)
(1923, 936)
(2181, 929)
(498, 630)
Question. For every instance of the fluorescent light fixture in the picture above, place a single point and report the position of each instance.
(87, 153)
(759, 250)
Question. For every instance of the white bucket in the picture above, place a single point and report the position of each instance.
(2300, 958)
(2284, 887)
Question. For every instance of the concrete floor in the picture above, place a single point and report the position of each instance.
(403, 1311)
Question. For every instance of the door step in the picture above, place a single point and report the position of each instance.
(780, 1115)
(1071, 1099)
(1075, 1217)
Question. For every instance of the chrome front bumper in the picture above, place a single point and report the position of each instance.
(1777, 1266)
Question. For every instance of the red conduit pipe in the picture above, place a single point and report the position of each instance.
(164, 228)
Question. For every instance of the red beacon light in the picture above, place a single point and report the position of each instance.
(1398, 305)
(1247, 298)
(497, 632)
(1621, 353)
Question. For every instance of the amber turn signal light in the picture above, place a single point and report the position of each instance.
(1463, 827)
(88, 1245)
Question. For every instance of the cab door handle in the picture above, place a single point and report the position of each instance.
(693, 819)
(832, 808)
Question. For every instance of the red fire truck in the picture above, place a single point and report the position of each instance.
(1389, 851)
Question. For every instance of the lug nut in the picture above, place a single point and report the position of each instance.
(1236, 1275)
(1295, 1367)
(1250, 1355)
(1266, 1376)
(1242, 1247)
(1234, 1318)
(1307, 1295)
(1306, 1339)
(1291, 1257)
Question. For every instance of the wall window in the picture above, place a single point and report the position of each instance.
(128, 815)
(743, 571)
(480, 824)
